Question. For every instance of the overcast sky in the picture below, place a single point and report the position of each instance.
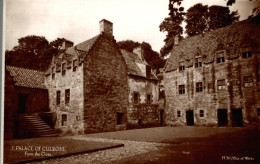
(78, 20)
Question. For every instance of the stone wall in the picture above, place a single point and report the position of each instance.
(105, 87)
(37, 101)
(144, 112)
(234, 96)
(74, 109)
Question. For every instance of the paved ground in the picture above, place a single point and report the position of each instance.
(174, 145)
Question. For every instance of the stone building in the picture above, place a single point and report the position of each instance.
(213, 78)
(25, 94)
(88, 85)
(143, 90)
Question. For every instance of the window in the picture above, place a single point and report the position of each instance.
(67, 96)
(199, 87)
(246, 52)
(221, 84)
(63, 69)
(148, 71)
(198, 62)
(258, 112)
(220, 57)
(201, 113)
(181, 89)
(53, 72)
(248, 81)
(64, 120)
(119, 118)
(75, 65)
(179, 113)
(181, 66)
(148, 99)
(58, 98)
(136, 98)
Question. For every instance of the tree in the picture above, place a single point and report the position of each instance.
(197, 19)
(172, 25)
(128, 45)
(33, 52)
(151, 57)
(220, 16)
(200, 18)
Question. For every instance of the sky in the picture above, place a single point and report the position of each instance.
(78, 20)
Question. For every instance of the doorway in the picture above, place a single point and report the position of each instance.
(237, 118)
(161, 117)
(22, 101)
(189, 117)
(222, 117)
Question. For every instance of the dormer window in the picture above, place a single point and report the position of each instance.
(181, 66)
(53, 72)
(246, 52)
(222, 84)
(221, 57)
(248, 81)
(75, 65)
(63, 67)
(198, 62)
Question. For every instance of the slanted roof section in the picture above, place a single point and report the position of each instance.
(76, 52)
(206, 45)
(26, 77)
(86, 45)
(131, 60)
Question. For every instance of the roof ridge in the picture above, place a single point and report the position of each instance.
(221, 28)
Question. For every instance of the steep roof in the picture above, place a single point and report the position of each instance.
(26, 77)
(78, 51)
(131, 60)
(230, 38)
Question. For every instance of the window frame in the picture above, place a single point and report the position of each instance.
(258, 112)
(58, 97)
(148, 98)
(246, 52)
(249, 80)
(221, 59)
(64, 120)
(181, 89)
(202, 113)
(198, 62)
(221, 87)
(75, 65)
(67, 96)
(136, 97)
(63, 69)
(181, 66)
(199, 87)
(178, 113)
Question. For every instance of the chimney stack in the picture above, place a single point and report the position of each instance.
(106, 27)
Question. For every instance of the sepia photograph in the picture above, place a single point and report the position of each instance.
(130, 81)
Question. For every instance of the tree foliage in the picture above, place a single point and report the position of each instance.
(172, 25)
(33, 52)
(151, 57)
(220, 16)
(197, 19)
(201, 18)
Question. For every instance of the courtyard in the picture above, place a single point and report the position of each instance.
(172, 145)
